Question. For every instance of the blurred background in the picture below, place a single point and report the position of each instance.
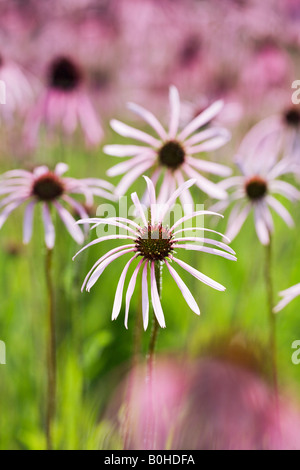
(212, 371)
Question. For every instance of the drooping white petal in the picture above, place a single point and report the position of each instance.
(205, 249)
(102, 239)
(145, 296)
(70, 223)
(208, 241)
(28, 222)
(184, 289)
(119, 292)
(236, 220)
(130, 290)
(204, 184)
(99, 270)
(285, 189)
(262, 230)
(103, 258)
(113, 223)
(155, 298)
(99, 220)
(198, 275)
(49, 227)
(8, 210)
(281, 210)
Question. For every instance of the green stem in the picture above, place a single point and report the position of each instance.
(51, 353)
(155, 325)
(150, 421)
(271, 315)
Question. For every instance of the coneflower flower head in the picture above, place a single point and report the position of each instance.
(258, 161)
(171, 152)
(49, 189)
(153, 244)
(64, 103)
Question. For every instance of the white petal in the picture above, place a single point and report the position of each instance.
(28, 222)
(155, 299)
(209, 167)
(125, 150)
(149, 118)
(119, 292)
(203, 118)
(131, 132)
(184, 290)
(169, 204)
(139, 208)
(131, 176)
(261, 226)
(200, 276)
(61, 168)
(49, 227)
(145, 297)
(99, 270)
(130, 290)
(281, 210)
(175, 111)
(204, 184)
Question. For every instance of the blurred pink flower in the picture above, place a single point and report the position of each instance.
(172, 152)
(17, 89)
(208, 404)
(50, 189)
(267, 68)
(154, 243)
(229, 407)
(64, 104)
(158, 406)
(258, 162)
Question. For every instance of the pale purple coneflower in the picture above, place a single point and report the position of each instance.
(65, 104)
(287, 296)
(253, 191)
(171, 152)
(153, 244)
(50, 189)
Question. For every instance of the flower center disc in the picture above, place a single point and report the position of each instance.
(292, 117)
(64, 75)
(171, 155)
(256, 188)
(48, 187)
(154, 243)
